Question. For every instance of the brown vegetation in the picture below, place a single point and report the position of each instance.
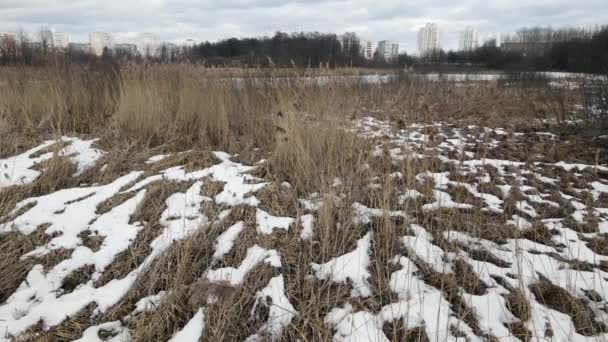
(303, 130)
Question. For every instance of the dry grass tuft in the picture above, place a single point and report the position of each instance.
(560, 300)
(14, 269)
(518, 304)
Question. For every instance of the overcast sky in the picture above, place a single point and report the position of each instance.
(397, 20)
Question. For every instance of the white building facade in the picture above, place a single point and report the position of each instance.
(61, 40)
(367, 49)
(429, 39)
(148, 44)
(388, 51)
(468, 40)
(99, 41)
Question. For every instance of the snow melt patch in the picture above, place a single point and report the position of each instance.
(280, 310)
(266, 223)
(121, 333)
(238, 184)
(308, 222)
(235, 276)
(17, 170)
(149, 303)
(363, 215)
(41, 298)
(351, 266)
(361, 326)
(225, 241)
(156, 159)
(181, 218)
(193, 330)
(70, 212)
(421, 305)
(444, 200)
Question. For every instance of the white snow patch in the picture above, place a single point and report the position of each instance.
(235, 276)
(444, 200)
(362, 326)
(363, 215)
(17, 170)
(92, 333)
(266, 223)
(149, 303)
(193, 330)
(307, 221)
(280, 313)
(351, 266)
(156, 159)
(225, 241)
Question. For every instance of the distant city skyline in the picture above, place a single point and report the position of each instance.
(393, 20)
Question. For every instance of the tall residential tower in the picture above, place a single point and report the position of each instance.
(388, 51)
(429, 39)
(468, 39)
(99, 41)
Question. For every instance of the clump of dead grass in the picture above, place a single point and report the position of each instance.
(561, 300)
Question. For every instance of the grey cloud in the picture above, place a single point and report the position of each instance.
(373, 19)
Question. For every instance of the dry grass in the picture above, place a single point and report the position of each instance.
(303, 132)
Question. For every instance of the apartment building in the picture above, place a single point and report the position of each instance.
(99, 41)
(468, 40)
(388, 51)
(429, 39)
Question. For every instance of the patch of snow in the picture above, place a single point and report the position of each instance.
(423, 248)
(235, 276)
(156, 159)
(149, 303)
(362, 326)
(526, 208)
(280, 310)
(351, 266)
(307, 221)
(17, 170)
(181, 218)
(116, 327)
(266, 223)
(520, 222)
(444, 200)
(363, 215)
(225, 241)
(238, 185)
(193, 330)
(409, 194)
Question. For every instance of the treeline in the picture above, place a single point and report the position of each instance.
(573, 50)
(541, 49)
(298, 49)
(303, 49)
(311, 50)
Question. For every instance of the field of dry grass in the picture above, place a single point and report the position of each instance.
(162, 202)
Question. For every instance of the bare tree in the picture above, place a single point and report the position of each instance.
(45, 35)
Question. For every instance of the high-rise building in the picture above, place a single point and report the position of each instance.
(148, 44)
(349, 40)
(99, 41)
(60, 39)
(388, 51)
(366, 49)
(8, 43)
(8, 35)
(429, 39)
(469, 39)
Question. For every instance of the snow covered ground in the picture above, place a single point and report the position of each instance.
(526, 224)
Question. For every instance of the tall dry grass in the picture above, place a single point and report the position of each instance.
(303, 127)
